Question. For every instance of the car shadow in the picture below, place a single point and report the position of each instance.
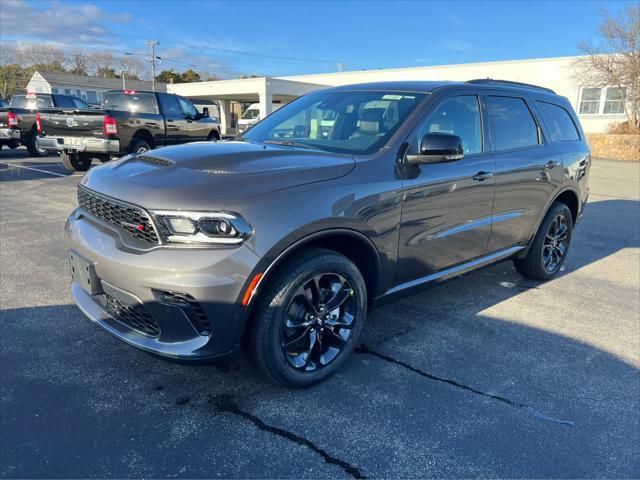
(480, 376)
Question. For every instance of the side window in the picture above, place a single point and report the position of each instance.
(457, 116)
(512, 125)
(169, 105)
(559, 122)
(187, 107)
(64, 102)
(79, 103)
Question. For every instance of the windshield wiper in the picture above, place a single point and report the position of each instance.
(288, 144)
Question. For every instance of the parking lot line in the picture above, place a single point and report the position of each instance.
(35, 169)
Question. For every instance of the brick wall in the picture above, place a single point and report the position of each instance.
(614, 146)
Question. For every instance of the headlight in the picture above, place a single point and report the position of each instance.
(202, 228)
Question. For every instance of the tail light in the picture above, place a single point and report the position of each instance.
(12, 119)
(38, 123)
(110, 125)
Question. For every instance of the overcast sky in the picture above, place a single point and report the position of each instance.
(297, 37)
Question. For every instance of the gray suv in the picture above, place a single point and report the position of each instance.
(280, 242)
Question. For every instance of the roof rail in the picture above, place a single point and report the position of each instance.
(491, 81)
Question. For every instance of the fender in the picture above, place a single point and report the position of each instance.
(269, 263)
(523, 252)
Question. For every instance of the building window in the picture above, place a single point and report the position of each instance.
(590, 101)
(67, 91)
(54, 90)
(602, 101)
(92, 97)
(614, 101)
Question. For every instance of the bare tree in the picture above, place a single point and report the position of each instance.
(79, 63)
(614, 60)
(102, 62)
(132, 68)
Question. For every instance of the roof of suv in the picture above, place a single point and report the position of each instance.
(429, 86)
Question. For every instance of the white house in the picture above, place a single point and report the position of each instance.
(89, 89)
(597, 107)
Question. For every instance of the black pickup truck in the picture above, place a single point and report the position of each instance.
(20, 121)
(129, 121)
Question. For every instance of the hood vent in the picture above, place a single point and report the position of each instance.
(161, 162)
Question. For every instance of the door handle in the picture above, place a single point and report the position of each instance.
(551, 164)
(482, 176)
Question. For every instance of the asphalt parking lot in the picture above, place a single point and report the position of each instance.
(489, 375)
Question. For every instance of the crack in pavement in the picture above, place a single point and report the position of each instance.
(225, 404)
(528, 408)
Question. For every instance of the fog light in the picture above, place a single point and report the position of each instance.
(216, 226)
(181, 225)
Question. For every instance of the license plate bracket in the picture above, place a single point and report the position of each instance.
(84, 274)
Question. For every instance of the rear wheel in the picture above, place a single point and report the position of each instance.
(32, 145)
(308, 320)
(75, 162)
(140, 146)
(213, 137)
(550, 246)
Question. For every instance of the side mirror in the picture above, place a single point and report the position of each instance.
(205, 112)
(437, 148)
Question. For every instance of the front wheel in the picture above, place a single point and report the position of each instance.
(75, 162)
(308, 320)
(550, 246)
(213, 137)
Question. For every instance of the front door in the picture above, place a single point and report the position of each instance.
(198, 126)
(446, 211)
(175, 122)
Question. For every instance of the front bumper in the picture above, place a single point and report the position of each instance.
(213, 278)
(80, 144)
(8, 134)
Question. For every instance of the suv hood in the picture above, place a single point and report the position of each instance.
(205, 175)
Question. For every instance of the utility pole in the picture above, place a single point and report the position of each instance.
(153, 44)
(122, 74)
(341, 66)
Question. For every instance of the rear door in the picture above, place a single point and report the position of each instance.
(446, 211)
(528, 169)
(176, 124)
(199, 127)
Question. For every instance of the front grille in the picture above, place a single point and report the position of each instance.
(134, 316)
(129, 218)
(188, 303)
(154, 160)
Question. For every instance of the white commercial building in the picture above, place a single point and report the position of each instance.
(597, 107)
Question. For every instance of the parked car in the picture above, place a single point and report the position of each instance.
(21, 119)
(251, 116)
(129, 121)
(281, 243)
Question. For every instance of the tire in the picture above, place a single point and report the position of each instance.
(213, 137)
(32, 145)
(292, 340)
(75, 162)
(140, 146)
(550, 246)
(13, 144)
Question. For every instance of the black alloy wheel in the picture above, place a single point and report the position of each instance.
(318, 322)
(550, 246)
(556, 243)
(307, 320)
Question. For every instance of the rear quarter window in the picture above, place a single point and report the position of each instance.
(130, 102)
(559, 122)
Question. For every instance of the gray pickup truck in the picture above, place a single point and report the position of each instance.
(129, 121)
(20, 121)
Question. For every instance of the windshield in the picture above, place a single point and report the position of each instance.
(31, 103)
(251, 114)
(357, 123)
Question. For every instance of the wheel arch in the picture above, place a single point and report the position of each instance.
(354, 245)
(142, 134)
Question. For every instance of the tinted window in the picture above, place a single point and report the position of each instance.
(63, 101)
(80, 103)
(512, 125)
(21, 101)
(251, 114)
(559, 122)
(363, 122)
(187, 107)
(169, 105)
(130, 102)
(456, 116)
